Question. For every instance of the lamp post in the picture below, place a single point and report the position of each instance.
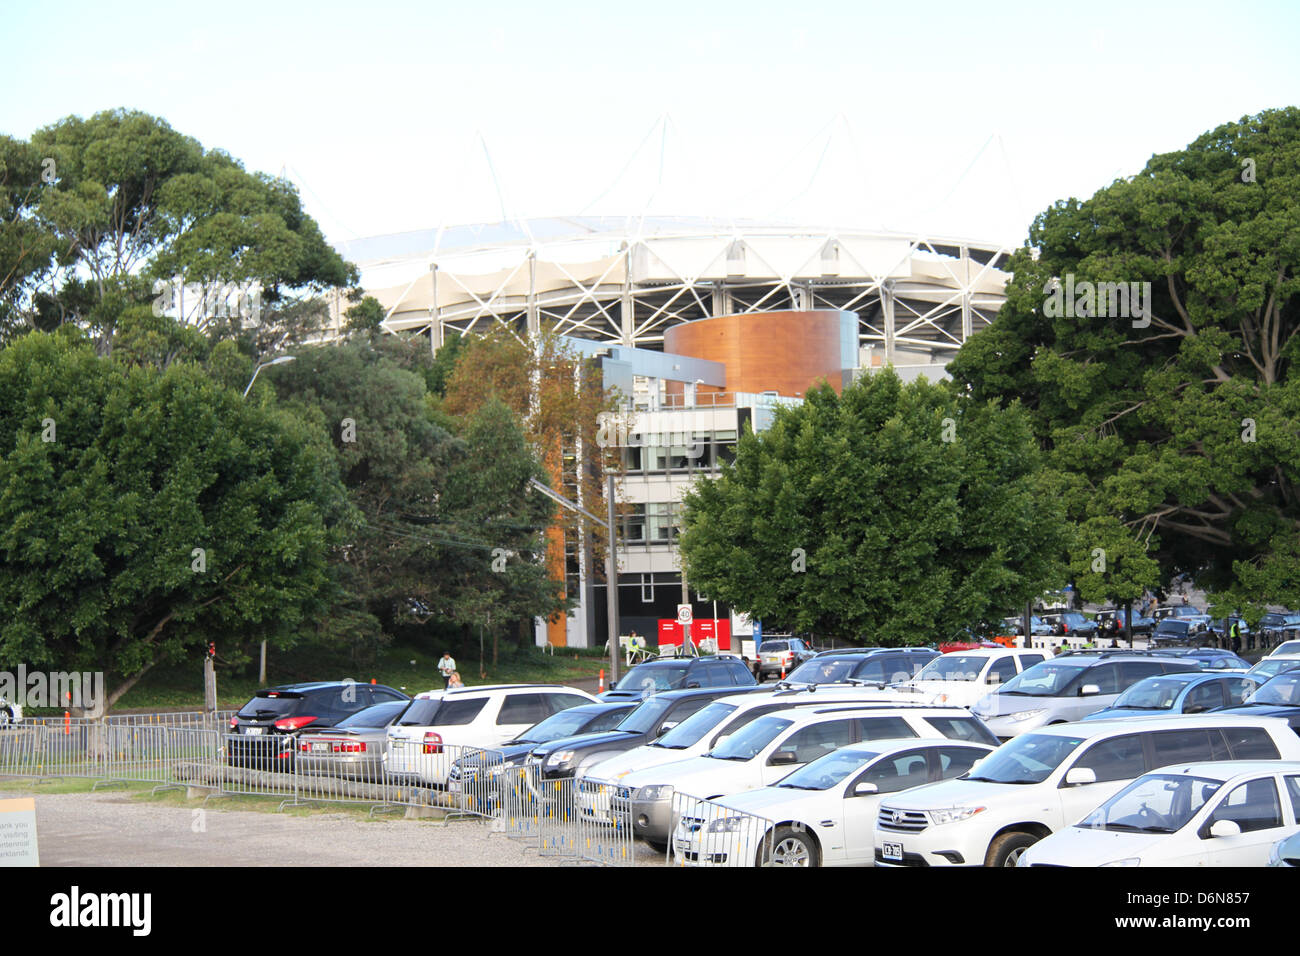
(261, 670)
(611, 564)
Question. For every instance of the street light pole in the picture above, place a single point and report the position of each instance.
(261, 670)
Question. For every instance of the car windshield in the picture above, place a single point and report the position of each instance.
(1292, 619)
(828, 670)
(646, 717)
(564, 724)
(653, 678)
(826, 772)
(953, 667)
(1154, 693)
(1029, 758)
(771, 647)
(376, 715)
(1282, 689)
(1156, 803)
(748, 742)
(1170, 626)
(692, 730)
(1272, 667)
(1287, 647)
(1043, 680)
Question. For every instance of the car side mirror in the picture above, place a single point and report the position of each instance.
(664, 728)
(1089, 690)
(1195, 709)
(781, 757)
(865, 790)
(1225, 828)
(1080, 776)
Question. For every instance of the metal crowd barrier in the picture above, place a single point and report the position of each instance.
(705, 833)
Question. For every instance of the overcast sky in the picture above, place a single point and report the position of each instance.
(957, 119)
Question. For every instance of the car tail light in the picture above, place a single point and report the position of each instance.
(335, 746)
(234, 721)
(293, 723)
(432, 743)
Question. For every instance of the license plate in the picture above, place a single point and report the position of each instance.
(252, 730)
(320, 747)
(893, 851)
(453, 786)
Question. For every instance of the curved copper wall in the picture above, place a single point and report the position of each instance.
(763, 351)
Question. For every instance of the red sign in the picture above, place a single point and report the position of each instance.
(702, 629)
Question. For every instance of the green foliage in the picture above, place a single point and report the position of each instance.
(1186, 430)
(903, 537)
(112, 476)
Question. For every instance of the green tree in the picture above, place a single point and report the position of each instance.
(145, 513)
(1181, 416)
(893, 514)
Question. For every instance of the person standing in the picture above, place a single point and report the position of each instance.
(455, 681)
(446, 667)
(1234, 636)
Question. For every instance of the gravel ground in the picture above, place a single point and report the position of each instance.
(109, 828)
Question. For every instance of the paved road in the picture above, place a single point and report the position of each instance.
(110, 829)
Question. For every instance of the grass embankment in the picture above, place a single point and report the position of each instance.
(397, 666)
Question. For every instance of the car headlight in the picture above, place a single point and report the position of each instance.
(651, 794)
(559, 757)
(954, 814)
(1127, 861)
(726, 825)
(1026, 714)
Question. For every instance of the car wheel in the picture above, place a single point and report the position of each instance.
(1006, 849)
(657, 846)
(789, 847)
(6, 717)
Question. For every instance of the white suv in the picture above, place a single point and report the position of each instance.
(1042, 781)
(439, 725)
(963, 677)
(762, 752)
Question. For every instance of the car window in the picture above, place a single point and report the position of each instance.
(1120, 758)
(1293, 791)
(1183, 746)
(817, 741)
(1001, 671)
(1203, 697)
(963, 728)
(558, 702)
(455, 713)
(900, 772)
(740, 675)
(1105, 676)
(1251, 743)
(684, 708)
(872, 669)
(883, 728)
(383, 693)
(525, 709)
(911, 664)
(1237, 689)
(1029, 660)
(1130, 672)
(1252, 806)
(957, 760)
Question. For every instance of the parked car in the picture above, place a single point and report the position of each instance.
(1067, 688)
(772, 746)
(778, 658)
(1051, 778)
(599, 786)
(572, 722)
(10, 713)
(1286, 851)
(963, 678)
(1110, 622)
(1272, 666)
(1279, 626)
(1279, 696)
(875, 665)
(562, 758)
(263, 733)
(439, 725)
(1286, 649)
(1037, 626)
(352, 748)
(681, 673)
(1188, 693)
(1220, 627)
(1175, 631)
(1228, 813)
(1209, 658)
(1070, 623)
(825, 812)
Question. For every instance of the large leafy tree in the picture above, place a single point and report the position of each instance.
(146, 513)
(1181, 416)
(890, 514)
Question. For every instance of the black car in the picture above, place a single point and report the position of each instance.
(1274, 628)
(681, 673)
(576, 721)
(1171, 630)
(870, 665)
(263, 732)
(656, 716)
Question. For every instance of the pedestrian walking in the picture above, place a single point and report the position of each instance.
(446, 667)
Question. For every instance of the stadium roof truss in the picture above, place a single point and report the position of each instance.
(911, 293)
